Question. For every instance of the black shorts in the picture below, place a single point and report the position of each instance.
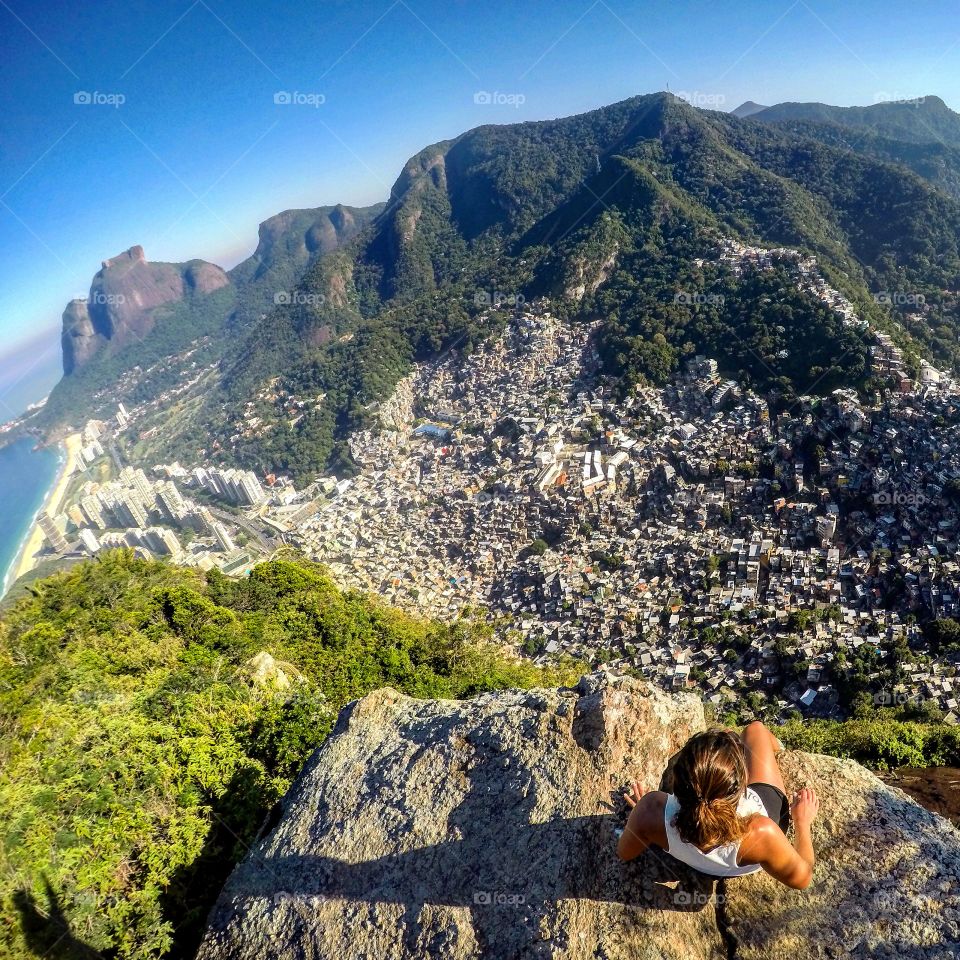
(775, 801)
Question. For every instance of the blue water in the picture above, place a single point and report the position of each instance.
(26, 476)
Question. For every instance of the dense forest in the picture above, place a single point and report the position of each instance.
(151, 716)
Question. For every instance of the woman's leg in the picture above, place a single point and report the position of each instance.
(759, 747)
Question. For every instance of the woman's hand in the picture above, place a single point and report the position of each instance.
(632, 842)
(635, 796)
(805, 807)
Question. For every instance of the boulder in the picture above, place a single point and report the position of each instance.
(487, 828)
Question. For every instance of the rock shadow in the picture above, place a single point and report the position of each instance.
(48, 934)
(508, 886)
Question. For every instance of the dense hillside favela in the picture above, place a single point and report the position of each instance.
(652, 389)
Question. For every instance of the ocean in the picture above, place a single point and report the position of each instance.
(26, 477)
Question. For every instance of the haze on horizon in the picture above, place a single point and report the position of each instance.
(162, 127)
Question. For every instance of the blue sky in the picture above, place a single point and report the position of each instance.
(198, 152)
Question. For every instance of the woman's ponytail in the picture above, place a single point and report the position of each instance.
(709, 778)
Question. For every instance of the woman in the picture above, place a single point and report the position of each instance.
(728, 814)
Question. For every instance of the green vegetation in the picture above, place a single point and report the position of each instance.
(880, 741)
(141, 750)
(759, 328)
(881, 738)
(538, 547)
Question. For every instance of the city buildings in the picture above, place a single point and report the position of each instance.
(690, 533)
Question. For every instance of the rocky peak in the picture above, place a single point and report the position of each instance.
(128, 258)
(486, 828)
(124, 296)
(290, 239)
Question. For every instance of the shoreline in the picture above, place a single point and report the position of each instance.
(25, 559)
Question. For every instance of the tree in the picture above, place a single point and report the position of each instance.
(944, 634)
(538, 547)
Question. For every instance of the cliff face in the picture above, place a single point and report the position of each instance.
(486, 829)
(123, 295)
(289, 240)
(79, 339)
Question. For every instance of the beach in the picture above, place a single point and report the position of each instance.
(26, 559)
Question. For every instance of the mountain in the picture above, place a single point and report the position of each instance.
(747, 109)
(123, 299)
(615, 214)
(607, 213)
(287, 243)
(299, 235)
(142, 316)
(457, 830)
(921, 134)
(919, 120)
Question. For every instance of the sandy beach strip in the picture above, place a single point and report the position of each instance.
(26, 559)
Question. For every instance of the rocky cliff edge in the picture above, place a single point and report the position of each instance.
(486, 828)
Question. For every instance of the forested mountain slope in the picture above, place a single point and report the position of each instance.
(606, 213)
(614, 214)
(922, 119)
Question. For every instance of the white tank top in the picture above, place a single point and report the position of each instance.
(720, 861)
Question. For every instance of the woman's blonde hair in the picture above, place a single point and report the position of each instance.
(709, 778)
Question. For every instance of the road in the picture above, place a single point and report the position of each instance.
(266, 544)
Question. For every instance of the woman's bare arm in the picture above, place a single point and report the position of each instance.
(767, 845)
(640, 831)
